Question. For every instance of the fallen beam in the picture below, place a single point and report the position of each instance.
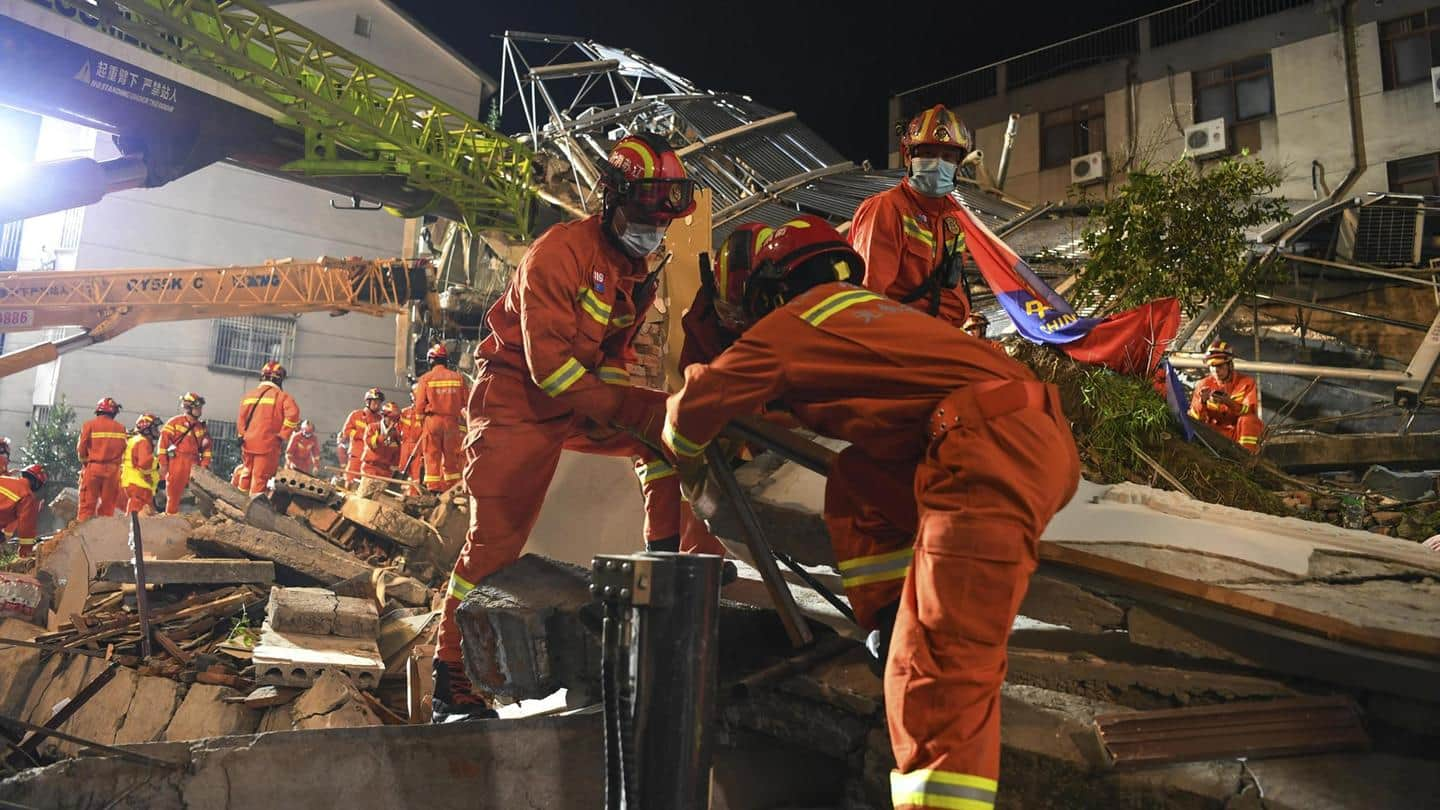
(1310, 452)
(190, 572)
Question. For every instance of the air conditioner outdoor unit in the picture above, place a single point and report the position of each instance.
(1435, 83)
(1087, 169)
(1206, 138)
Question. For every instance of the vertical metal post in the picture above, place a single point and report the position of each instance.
(659, 677)
(142, 600)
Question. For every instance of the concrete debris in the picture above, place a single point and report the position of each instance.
(1404, 486)
(189, 572)
(205, 713)
(316, 611)
(65, 506)
(311, 631)
(20, 596)
(332, 702)
(19, 666)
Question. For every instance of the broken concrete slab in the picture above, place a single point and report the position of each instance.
(204, 714)
(298, 484)
(484, 765)
(100, 719)
(1135, 686)
(1058, 602)
(268, 697)
(151, 708)
(61, 679)
(70, 557)
(210, 489)
(65, 506)
(333, 702)
(1402, 486)
(261, 514)
(297, 659)
(19, 666)
(451, 519)
(316, 611)
(392, 524)
(190, 572)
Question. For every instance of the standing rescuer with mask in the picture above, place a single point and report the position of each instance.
(551, 376)
(910, 236)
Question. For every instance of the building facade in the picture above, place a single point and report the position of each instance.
(224, 215)
(1316, 88)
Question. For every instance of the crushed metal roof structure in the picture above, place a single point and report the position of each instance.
(579, 97)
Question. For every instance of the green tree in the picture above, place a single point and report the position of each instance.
(1178, 230)
(52, 444)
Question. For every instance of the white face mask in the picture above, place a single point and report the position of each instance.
(933, 177)
(637, 238)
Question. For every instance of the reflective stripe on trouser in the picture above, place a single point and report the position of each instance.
(440, 445)
(262, 468)
(870, 514)
(177, 477)
(509, 464)
(99, 484)
(985, 491)
(1248, 429)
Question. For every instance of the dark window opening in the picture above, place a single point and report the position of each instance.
(1415, 175)
(1071, 132)
(1409, 47)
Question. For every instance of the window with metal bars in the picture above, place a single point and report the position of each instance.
(225, 451)
(1409, 47)
(246, 343)
(1071, 132)
(1415, 175)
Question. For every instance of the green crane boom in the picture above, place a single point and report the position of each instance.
(357, 118)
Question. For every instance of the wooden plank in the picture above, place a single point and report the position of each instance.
(191, 572)
(1326, 626)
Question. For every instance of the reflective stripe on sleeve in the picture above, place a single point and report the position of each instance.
(562, 378)
(290, 424)
(947, 790)
(654, 471)
(624, 321)
(597, 309)
(876, 568)
(839, 302)
(8, 494)
(681, 445)
(459, 586)
(614, 375)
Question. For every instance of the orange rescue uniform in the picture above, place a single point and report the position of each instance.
(1238, 421)
(102, 443)
(19, 512)
(902, 235)
(411, 427)
(551, 375)
(988, 456)
(382, 450)
(268, 416)
(183, 444)
(352, 438)
(140, 472)
(439, 399)
(303, 453)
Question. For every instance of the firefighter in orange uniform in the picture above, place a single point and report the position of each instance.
(411, 428)
(439, 399)
(992, 461)
(183, 444)
(382, 444)
(20, 506)
(1227, 400)
(102, 443)
(267, 418)
(977, 326)
(140, 466)
(910, 236)
(350, 441)
(303, 451)
(4, 454)
(551, 376)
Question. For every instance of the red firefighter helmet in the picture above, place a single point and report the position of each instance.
(732, 269)
(644, 171)
(145, 422)
(373, 394)
(191, 399)
(800, 254)
(938, 126)
(35, 473)
(273, 371)
(1219, 353)
(107, 406)
(439, 353)
(390, 410)
(976, 321)
(307, 428)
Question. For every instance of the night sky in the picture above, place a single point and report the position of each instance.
(836, 71)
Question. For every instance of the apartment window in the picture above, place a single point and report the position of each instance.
(1072, 132)
(1409, 47)
(225, 452)
(70, 229)
(362, 26)
(245, 344)
(1240, 91)
(1416, 175)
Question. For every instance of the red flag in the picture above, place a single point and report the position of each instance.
(1130, 342)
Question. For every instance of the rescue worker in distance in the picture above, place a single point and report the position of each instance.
(267, 418)
(412, 426)
(1227, 400)
(910, 236)
(958, 442)
(182, 446)
(440, 396)
(350, 441)
(303, 452)
(140, 466)
(20, 506)
(102, 443)
(382, 445)
(551, 376)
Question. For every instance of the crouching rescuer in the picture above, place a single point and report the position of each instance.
(1227, 400)
(551, 376)
(958, 460)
